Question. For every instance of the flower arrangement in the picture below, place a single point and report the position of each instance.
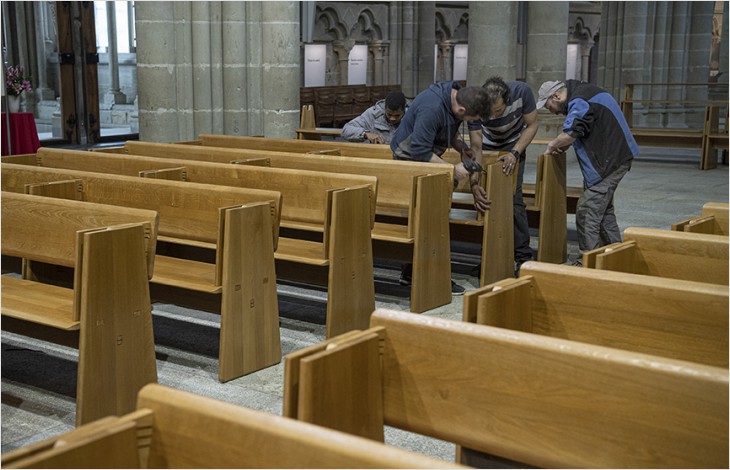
(15, 81)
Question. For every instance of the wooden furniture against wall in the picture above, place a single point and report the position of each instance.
(335, 105)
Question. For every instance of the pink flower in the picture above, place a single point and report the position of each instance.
(16, 81)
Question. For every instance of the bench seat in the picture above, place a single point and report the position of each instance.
(186, 274)
(301, 251)
(39, 303)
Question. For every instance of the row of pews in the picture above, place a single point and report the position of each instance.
(620, 364)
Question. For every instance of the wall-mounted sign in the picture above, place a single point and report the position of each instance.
(357, 71)
(315, 61)
(461, 56)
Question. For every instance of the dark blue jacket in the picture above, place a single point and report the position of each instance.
(428, 127)
(603, 139)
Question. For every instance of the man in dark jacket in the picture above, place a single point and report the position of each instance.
(432, 124)
(605, 148)
(430, 127)
(379, 122)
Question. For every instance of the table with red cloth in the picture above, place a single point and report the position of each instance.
(22, 134)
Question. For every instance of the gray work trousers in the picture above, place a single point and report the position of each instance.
(595, 219)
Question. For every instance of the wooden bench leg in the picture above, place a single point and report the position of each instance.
(116, 348)
(431, 279)
(249, 338)
(351, 285)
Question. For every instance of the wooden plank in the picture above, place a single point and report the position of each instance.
(553, 246)
(498, 235)
(38, 303)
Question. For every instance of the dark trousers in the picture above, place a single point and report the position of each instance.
(521, 228)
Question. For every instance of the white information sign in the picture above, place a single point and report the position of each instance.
(315, 58)
(461, 54)
(357, 71)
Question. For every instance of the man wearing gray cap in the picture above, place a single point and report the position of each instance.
(605, 147)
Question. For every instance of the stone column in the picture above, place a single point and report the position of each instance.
(657, 42)
(395, 39)
(444, 67)
(221, 67)
(546, 55)
(492, 41)
(342, 51)
(113, 95)
(426, 44)
(409, 48)
(723, 77)
(379, 50)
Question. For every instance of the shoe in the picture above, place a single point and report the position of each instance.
(456, 289)
(405, 275)
(578, 262)
(518, 265)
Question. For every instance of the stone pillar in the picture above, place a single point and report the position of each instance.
(395, 39)
(657, 42)
(113, 95)
(220, 67)
(281, 67)
(546, 55)
(723, 68)
(426, 44)
(445, 64)
(342, 51)
(379, 51)
(493, 41)
(409, 48)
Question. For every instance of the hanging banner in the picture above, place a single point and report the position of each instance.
(315, 60)
(357, 71)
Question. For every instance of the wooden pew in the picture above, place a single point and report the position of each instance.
(344, 228)
(541, 401)
(665, 253)
(644, 314)
(713, 221)
(396, 205)
(177, 429)
(240, 224)
(106, 313)
(548, 205)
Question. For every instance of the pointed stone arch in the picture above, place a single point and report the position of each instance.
(329, 26)
(366, 28)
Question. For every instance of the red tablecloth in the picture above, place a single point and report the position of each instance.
(23, 134)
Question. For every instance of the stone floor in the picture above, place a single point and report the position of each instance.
(38, 378)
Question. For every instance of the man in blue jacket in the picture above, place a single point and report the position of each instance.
(605, 148)
(431, 126)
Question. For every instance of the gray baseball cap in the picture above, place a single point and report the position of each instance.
(546, 90)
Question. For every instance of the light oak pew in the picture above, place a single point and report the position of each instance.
(240, 224)
(712, 221)
(714, 138)
(106, 313)
(177, 429)
(339, 207)
(541, 401)
(548, 205)
(665, 253)
(396, 206)
(682, 320)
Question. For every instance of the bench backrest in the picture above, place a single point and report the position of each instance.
(542, 401)
(177, 429)
(186, 210)
(304, 192)
(349, 149)
(713, 221)
(393, 176)
(666, 253)
(644, 314)
(45, 229)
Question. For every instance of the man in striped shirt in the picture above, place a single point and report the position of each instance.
(510, 126)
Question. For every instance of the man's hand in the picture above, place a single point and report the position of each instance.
(467, 153)
(481, 203)
(374, 138)
(509, 163)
